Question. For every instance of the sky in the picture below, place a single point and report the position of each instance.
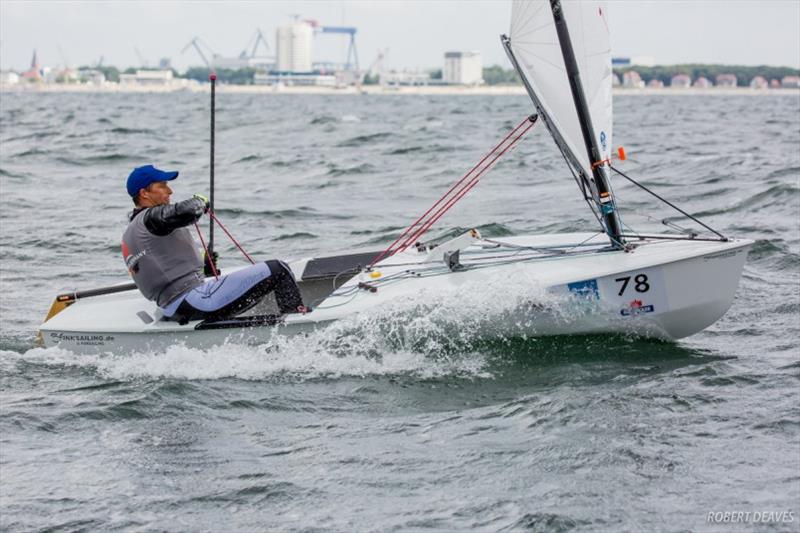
(416, 33)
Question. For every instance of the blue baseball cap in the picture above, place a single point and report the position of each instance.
(141, 177)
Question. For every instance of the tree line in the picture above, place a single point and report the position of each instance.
(497, 75)
(242, 76)
(744, 74)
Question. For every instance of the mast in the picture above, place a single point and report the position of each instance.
(213, 79)
(607, 205)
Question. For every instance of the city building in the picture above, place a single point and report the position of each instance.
(759, 82)
(9, 78)
(67, 75)
(615, 81)
(774, 84)
(147, 77)
(35, 73)
(232, 63)
(726, 80)
(91, 77)
(640, 61)
(406, 78)
(463, 68)
(702, 83)
(790, 82)
(655, 84)
(290, 79)
(293, 45)
(632, 80)
(680, 81)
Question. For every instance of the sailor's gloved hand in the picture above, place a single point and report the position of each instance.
(207, 270)
(206, 203)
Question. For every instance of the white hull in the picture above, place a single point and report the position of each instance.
(673, 289)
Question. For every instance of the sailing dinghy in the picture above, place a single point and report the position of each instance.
(667, 286)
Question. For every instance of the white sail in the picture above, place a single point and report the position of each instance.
(534, 42)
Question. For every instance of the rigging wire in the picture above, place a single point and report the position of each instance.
(461, 193)
(675, 207)
(456, 191)
(469, 185)
(437, 268)
(616, 209)
(582, 184)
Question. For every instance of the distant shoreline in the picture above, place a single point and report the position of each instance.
(447, 90)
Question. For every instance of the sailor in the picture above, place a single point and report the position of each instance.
(166, 265)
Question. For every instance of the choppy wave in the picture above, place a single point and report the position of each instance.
(113, 157)
(34, 136)
(784, 172)
(361, 140)
(363, 168)
(282, 163)
(299, 213)
(130, 131)
(295, 236)
(31, 152)
(323, 119)
(248, 158)
(763, 248)
(439, 410)
(8, 174)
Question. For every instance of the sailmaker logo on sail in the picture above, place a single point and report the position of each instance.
(603, 143)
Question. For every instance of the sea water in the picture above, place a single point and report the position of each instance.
(398, 422)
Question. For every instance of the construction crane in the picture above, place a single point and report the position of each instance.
(63, 56)
(142, 62)
(196, 42)
(377, 66)
(259, 38)
(346, 30)
(351, 50)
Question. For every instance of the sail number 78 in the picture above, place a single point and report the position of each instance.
(640, 283)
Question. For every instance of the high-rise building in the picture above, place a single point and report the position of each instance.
(293, 47)
(463, 68)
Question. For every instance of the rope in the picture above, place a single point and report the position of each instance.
(461, 193)
(234, 241)
(205, 249)
(450, 198)
(228, 233)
